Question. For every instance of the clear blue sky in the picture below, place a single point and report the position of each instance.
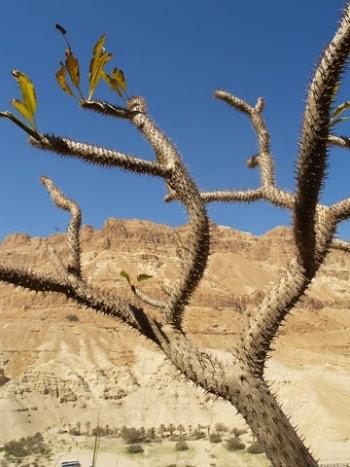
(175, 53)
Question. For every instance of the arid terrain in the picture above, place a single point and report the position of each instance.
(60, 363)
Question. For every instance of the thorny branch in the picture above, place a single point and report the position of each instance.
(73, 238)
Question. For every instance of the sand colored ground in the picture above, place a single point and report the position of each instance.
(55, 372)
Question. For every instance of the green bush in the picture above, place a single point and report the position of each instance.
(234, 444)
(255, 448)
(198, 434)
(215, 438)
(131, 435)
(181, 446)
(134, 449)
(26, 446)
(72, 317)
(237, 433)
(221, 428)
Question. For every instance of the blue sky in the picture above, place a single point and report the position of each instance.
(175, 54)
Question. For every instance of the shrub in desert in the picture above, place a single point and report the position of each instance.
(234, 444)
(72, 317)
(215, 438)
(198, 434)
(134, 449)
(221, 428)
(237, 432)
(131, 435)
(181, 446)
(29, 446)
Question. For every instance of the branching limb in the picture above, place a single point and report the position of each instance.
(262, 324)
(234, 382)
(30, 131)
(341, 210)
(314, 225)
(73, 231)
(83, 294)
(231, 196)
(278, 197)
(99, 155)
(146, 298)
(256, 116)
(106, 108)
(341, 141)
(225, 196)
(180, 182)
(314, 141)
(341, 245)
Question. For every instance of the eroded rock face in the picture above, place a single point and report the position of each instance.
(60, 370)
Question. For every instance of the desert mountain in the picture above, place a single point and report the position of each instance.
(59, 363)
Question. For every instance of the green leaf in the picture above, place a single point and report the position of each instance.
(61, 79)
(28, 95)
(126, 276)
(118, 75)
(22, 109)
(340, 109)
(143, 277)
(112, 83)
(72, 66)
(99, 59)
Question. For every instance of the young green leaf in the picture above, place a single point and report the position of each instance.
(28, 95)
(61, 79)
(112, 83)
(22, 109)
(118, 75)
(72, 66)
(126, 276)
(143, 277)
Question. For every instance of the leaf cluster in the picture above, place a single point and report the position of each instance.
(139, 278)
(100, 58)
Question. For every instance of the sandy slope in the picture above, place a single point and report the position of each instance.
(54, 372)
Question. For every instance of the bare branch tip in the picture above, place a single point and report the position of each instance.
(137, 104)
(170, 196)
(45, 180)
(260, 105)
(219, 93)
(252, 162)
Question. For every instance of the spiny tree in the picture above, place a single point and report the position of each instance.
(240, 381)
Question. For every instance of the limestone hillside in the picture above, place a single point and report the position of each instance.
(59, 363)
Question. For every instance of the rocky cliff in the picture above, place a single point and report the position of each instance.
(59, 363)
